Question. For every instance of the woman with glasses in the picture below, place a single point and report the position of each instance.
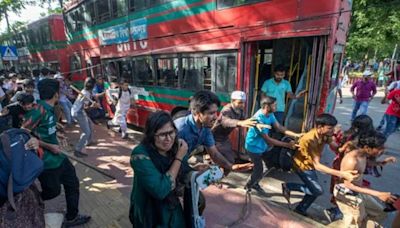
(158, 163)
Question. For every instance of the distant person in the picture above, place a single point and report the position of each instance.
(279, 87)
(363, 92)
(124, 102)
(17, 110)
(392, 114)
(78, 111)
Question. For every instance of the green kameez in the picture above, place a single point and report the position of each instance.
(150, 187)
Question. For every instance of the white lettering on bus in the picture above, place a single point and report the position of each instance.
(127, 47)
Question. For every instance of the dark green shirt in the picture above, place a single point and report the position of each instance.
(149, 189)
(42, 121)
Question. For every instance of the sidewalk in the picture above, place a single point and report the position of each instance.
(101, 194)
(107, 199)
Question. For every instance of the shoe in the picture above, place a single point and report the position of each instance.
(259, 189)
(286, 193)
(80, 154)
(303, 213)
(341, 101)
(333, 214)
(78, 220)
(124, 136)
(108, 125)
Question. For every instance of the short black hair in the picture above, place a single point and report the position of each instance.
(202, 101)
(325, 119)
(374, 139)
(267, 100)
(29, 83)
(48, 88)
(45, 71)
(89, 84)
(25, 98)
(279, 68)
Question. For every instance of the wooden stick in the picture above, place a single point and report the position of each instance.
(80, 93)
(90, 166)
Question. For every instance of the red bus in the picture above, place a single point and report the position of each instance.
(42, 44)
(174, 48)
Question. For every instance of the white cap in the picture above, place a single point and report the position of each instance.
(58, 76)
(367, 73)
(238, 95)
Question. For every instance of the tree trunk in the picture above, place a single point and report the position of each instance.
(61, 3)
(8, 23)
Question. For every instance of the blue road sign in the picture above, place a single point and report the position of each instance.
(8, 53)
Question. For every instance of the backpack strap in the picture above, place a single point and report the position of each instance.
(5, 141)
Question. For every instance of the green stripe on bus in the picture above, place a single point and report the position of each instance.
(139, 14)
(183, 13)
(91, 33)
(178, 92)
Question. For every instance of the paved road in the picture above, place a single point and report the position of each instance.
(111, 155)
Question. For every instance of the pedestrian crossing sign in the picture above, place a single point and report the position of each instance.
(8, 53)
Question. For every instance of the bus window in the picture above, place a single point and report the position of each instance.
(193, 71)
(167, 72)
(103, 10)
(118, 8)
(75, 61)
(142, 71)
(225, 73)
(90, 16)
(131, 5)
(126, 71)
(230, 3)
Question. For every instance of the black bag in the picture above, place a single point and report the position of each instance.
(23, 206)
(281, 157)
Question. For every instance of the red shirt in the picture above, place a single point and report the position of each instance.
(394, 106)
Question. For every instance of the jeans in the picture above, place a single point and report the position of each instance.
(311, 188)
(66, 107)
(392, 123)
(51, 181)
(359, 106)
(257, 160)
(86, 126)
(280, 117)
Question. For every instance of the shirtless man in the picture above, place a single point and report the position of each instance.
(358, 204)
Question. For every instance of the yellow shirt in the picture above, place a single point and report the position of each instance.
(311, 145)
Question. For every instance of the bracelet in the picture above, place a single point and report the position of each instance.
(178, 159)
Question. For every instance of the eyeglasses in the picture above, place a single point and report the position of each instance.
(164, 135)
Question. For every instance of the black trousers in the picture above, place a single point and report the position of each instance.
(51, 181)
(258, 169)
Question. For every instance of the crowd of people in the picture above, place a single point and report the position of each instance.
(161, 160)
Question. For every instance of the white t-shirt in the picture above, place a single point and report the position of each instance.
(124, 102)
(80, 101)
(394, 85)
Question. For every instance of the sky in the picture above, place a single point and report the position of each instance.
(31, 14)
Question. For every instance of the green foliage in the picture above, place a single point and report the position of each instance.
(375, 28)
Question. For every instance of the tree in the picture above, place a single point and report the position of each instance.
(15, 6)
(375, 28)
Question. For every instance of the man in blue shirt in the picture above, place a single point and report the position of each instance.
(279, 87)
(258, 142)
(195, 128)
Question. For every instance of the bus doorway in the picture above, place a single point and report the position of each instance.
(303, 58)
